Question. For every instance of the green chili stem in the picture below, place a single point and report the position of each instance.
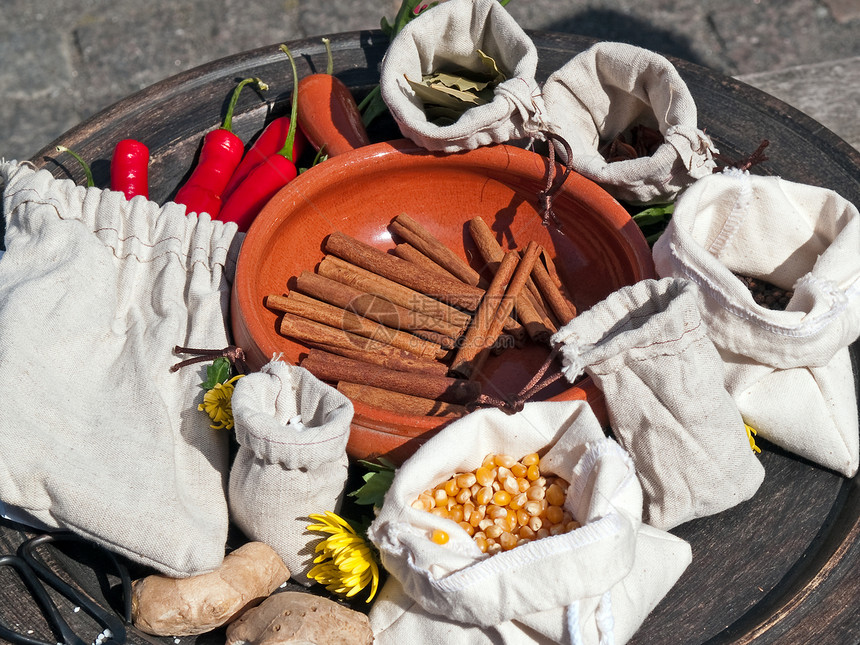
(329, 66)
(370, 97)
(84, 164)
(287, 150)
(228, 118)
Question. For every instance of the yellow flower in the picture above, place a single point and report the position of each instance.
(346, 563)
(217, 403)
(751, 434)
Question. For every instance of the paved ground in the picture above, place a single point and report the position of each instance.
(63, 60)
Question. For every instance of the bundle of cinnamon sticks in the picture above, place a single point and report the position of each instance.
(409, 331)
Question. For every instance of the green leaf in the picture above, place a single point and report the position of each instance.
(654, 214)
(376, 483)
(490, 62)
(217, 372)
(461, 81)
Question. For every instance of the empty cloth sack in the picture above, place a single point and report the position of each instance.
(97, 435)
(447, 37)
(789, 370)
(647, 349)
(593, 584)
(610, 90)
(292, 431)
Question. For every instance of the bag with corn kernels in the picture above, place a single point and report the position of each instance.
(596, 578)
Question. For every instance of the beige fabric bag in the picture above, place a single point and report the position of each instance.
(788, 371)
(605, 91)
(587, 585)
(292, 431)
(97, 434)
(647, 349)
(450, 34)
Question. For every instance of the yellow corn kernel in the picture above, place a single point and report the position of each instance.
(541, 481)
(504, 460)
(532, 508)
(572, 526)
(466, 480)
(451, 488)
(485, 523)
(510, 484)
(532, 472)
(518, 500)
(485, 476)
(523, 484)
(507, 540)
(419, 505)
(428, 500)
(489, 461)
(536, 524)
(440, 496)
(531, 460)
(496, 486)
(518, 470)
(484, 496)
(495, 512)
(440, 512)
(439, 536)
(502, 498)
(506, 523)
(541, 533)
(468, 528)
(475, 488)
(522, 541)
(566, 518)
(536, 493)
(477, 515)
(523, 517)
(555, 514)
(463, 496)
(502, 473)
(482, 543)
(555, 495)
(455, 513)
(493, 547)
(556, 529)
(493, 531)
(525, 533)
(468, 509)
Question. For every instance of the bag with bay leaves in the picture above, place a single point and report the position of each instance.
(462, 75)
(592, 584)
(630, 121)
(789, 370)
(97, 434)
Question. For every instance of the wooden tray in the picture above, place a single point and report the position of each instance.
(783, 567)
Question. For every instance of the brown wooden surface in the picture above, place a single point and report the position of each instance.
(781, 568)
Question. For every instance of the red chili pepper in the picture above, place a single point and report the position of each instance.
(129, 168)
(328, 113)
(220, 155)
(270, 142)
(268, 177)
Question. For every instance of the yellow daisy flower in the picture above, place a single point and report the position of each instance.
(346, 563)
(751, 433)
(217, 403)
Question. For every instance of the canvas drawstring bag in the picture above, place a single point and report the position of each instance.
(292, 431)
(789, 371)
(610, 89)
(450, 35)
(97, 434)
(584, 586)
(647, 349)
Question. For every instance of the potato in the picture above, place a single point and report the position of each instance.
(165, 606)
(296, 617)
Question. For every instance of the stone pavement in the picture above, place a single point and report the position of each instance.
(63, 60)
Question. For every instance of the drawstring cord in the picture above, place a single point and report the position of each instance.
(547, 195)
(537, 383)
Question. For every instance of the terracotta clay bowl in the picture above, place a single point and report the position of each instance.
(598, 250)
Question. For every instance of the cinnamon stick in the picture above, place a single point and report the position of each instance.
(399, 270)
(401, 403)
(402, 362)
(560, 306)
(516, 285)
(531, 313)
(477, 335)
(299, 304)
(409, 253)
(347, 273)
(333, 368)
(422, 239)
(553, 274)
(371, 306)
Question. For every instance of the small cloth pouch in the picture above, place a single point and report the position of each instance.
(97, 435)
(292, 431)
(647, 349)
(605, 92)
(451, 34)
(788, 371)
(585, 586)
